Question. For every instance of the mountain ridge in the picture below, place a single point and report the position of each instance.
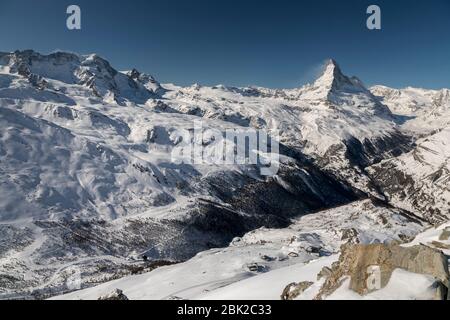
(86, 151)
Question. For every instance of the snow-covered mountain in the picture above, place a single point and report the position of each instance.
(339, 124)
(423, 110)
(418, 181)
(88, 179)
(91, 71)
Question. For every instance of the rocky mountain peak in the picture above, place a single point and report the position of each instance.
(91, 71)
(332, 78)
(335, 87)
(148, 81)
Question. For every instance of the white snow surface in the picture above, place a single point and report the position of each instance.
(283, 256)
(403, 285)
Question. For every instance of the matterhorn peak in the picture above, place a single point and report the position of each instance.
(331, 66)
(332, 77)
(337, 88)
(332, 80)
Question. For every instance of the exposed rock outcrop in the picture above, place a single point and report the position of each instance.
(115, 295)
(356, 261)
(445, 235)
(293, 290)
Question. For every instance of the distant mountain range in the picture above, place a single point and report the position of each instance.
(87, 181)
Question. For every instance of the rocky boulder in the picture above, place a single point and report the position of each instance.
(445, 235)
(293, 290)
(115, 295)
(358, 262)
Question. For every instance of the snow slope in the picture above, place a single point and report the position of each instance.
(403, 285)
(223, 274)
(279, 256)
(88, 180)
(425, 110)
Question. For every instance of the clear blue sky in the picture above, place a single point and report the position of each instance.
(244, 42)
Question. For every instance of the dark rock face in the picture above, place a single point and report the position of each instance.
(409, 193)
(20, 237)
(294, 191)
(372, 151)
(362, 154)
(417, 181)
(348, 162)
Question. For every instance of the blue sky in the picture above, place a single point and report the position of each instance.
(244, 42)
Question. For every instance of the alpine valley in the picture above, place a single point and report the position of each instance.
(90, 198)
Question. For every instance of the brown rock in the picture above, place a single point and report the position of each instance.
(355, 261)
(293, 290)
(440, 245)
(324, 273)
(445, 235)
